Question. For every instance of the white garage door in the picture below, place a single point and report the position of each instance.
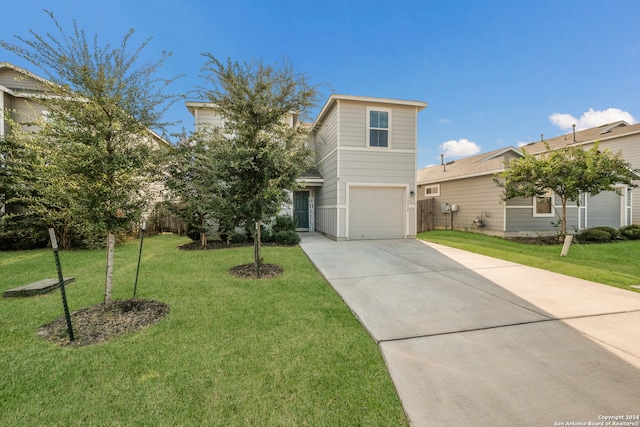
(376, 213)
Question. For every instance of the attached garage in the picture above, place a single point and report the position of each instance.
(376, 213)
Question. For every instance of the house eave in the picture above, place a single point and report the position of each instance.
(310, 182)
(458, 177)
(420, 105)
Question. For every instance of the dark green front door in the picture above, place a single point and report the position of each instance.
(301, 208)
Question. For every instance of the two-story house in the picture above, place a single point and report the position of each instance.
(365, 182)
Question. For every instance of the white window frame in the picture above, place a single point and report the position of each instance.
(548, 195)
(369, 128)
(435, 190)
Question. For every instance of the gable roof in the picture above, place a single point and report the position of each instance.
(24, 87)
(334, 98)
(587, 136)
(478, 165)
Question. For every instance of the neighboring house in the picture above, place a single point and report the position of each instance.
(469, 184)
(19, 90)
(365, 182)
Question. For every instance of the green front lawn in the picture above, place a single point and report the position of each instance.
(284, 351)
(614, 264)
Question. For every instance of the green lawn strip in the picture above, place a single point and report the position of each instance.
(612, 264)
(283, 351)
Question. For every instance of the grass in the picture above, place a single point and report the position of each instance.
(614, 264)
(232, 352)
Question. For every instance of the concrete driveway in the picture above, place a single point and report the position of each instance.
(475, 341)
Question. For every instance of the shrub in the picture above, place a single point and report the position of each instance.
(193, 232)
(614, 233)
(266, 235)
(284, 223)
(596, 234)
(288, 237)
(631, 232)
(238, 238)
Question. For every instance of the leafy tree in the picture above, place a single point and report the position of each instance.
(194, 183)
(260, 150)
(569, 172)
(101, 105)
(36, 190)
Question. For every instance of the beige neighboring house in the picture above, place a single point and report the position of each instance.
(469, 185)
(19, 90)
(365, 182)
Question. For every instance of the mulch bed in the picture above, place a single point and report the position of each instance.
(245, 271)
(537, 240)
(248, 271)
(217, 244)
(97, 324)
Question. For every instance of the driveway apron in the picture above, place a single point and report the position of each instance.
(473, 340)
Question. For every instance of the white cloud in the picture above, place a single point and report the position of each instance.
(460, 148)
(591, 118)
(444, 121)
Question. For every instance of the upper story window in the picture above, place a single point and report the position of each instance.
(379, 127)
(543, 205)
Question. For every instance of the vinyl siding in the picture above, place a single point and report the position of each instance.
(604, 209)
(207, 118)
(520, 219)
(325, 142)
(377, 166)
(629, 146)
(404, 129)
(475, 197)
(328, 192)
(326, 138)
(353, 125)
(17, 82)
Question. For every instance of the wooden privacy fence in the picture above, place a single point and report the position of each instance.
(425, 215)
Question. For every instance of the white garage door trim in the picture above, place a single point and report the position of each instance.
(376, 211)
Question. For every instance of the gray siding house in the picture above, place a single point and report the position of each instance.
(469, 184)
(365, 182)
(366, 154)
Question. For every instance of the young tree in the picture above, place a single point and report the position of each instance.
(101, 105)
(194, 184)
(569, 172)
(260, 150)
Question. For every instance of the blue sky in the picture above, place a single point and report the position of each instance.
(495, 73)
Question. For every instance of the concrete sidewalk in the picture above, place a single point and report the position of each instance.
(472, 340)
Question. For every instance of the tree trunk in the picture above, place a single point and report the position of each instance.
(108, 283)
(256, 249)
(203, 233)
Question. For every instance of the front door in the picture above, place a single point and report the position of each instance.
(301, 209)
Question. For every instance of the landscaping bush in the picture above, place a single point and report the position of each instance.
(284, 223)
(238, 238)
(289, 237)
(631, 232)
(614, 233)
(193, 232)
(266, 235)
(596, 234)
